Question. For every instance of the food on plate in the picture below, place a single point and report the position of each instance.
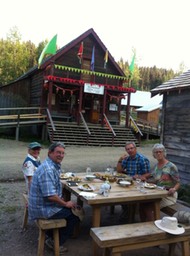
(75, 179)
(86, 187)
(64, 176)
(108, 177)
(150, 185)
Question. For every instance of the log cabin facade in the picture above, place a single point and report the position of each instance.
(175, 122)
(68, 86)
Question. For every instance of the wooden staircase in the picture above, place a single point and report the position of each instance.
(72, 134)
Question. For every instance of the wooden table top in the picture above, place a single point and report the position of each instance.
(117, 194)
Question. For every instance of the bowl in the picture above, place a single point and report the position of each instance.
(124, 183)
(90, 177)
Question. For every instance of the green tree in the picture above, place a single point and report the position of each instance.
(17, 57)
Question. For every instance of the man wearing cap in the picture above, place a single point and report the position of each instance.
(31, 162)
(45, 198)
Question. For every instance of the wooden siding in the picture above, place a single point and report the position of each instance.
(176, 131)
(36, 88)
(152, 116)
(15, 95)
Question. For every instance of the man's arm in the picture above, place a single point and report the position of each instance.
(60, 201)
(119, 166)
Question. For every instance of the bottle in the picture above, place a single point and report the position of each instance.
(105, 188)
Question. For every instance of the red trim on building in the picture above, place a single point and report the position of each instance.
(81, 83)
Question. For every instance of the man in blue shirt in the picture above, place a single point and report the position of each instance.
(135, 165)
(45, 199)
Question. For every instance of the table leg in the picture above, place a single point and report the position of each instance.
(79, 202)
(96, 215)
(157, 209)
(66, 194)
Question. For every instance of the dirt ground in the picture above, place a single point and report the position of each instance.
(15, 242)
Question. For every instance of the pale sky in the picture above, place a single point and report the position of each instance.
(157, 29)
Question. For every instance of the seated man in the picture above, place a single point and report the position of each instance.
(135, 165)
(45, 199)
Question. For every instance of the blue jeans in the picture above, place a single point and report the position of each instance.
(66, 232)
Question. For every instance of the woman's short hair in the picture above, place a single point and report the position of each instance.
(56, 144)
(158, 146)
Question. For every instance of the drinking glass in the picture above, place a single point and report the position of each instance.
(88, 171)
(138, 181)
(142, 184)
(106, 192)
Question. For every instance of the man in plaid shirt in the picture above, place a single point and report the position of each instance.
(133, 164)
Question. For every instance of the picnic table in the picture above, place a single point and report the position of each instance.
(118, 195)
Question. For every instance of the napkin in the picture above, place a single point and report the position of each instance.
(88, 194)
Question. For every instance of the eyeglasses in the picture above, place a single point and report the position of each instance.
(159, 151)
(130, 148)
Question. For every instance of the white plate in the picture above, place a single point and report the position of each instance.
(87, 189)
(150, 185)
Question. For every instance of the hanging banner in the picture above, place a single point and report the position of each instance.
(94, 88)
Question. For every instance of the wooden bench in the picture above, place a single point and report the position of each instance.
(178, 206)
(116, 239)
(44, 225)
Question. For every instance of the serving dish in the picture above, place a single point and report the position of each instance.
(124, 183)
(90, 177)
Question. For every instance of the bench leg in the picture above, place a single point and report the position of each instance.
(185, 248)
(25, 218)
(171, 249)
(41, 241)
(56, 241)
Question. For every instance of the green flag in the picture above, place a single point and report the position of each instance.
(50, 48)
(132, 65)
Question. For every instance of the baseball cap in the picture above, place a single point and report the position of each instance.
(34, 145)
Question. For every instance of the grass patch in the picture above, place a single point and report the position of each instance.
(149, 142)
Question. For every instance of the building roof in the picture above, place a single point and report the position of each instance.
(142, 99)
(180, 82)
(149, 108)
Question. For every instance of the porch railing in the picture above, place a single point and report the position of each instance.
(107, 123)
(134, 126)
(84, 123)
(17, 117)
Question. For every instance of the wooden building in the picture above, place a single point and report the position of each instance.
(68, 86)
(89, 88)
(175, 122)
(150, 114)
